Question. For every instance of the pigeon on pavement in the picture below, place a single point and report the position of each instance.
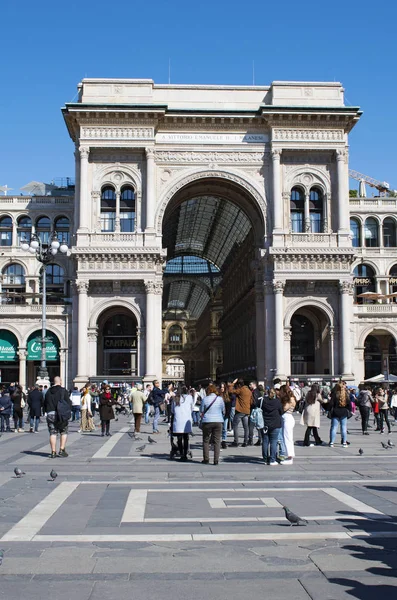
(293, 518)
(134, 437)
(385, 446)
(18, 472)
(53, 474)
(390, 444)
(141, 448)
(151, 440)
(361, 452)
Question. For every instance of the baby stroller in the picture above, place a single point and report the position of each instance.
(174, 447)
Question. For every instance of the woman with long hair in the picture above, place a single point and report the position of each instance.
(224, 394)
(383, 403)
(106, 413)
(288, 403)
(86, 423)
(339, 408)
(272, 411)
(311, 415)
(18, 400)
(181, 409)
(212, 419)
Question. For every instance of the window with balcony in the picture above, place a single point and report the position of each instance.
(297, 206)
(127, 209)
(5, 231)
(364, 284)
(355, 231)
(43, 229)
(316, 204)
(371, 233)
(55, 282)
(175, 338)
(108, 209)
(24, 229)
(389, 233)
(13, 285)
(62, 227)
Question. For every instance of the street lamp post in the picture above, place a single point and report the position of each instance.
(45, 253)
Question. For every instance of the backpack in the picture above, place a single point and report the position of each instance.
(64, 412)
(256, 417)
(150, 399)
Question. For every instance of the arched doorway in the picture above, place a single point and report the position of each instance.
(212, 230)
(311, 352)
(34, 356)
(117, 351)
(380, 356)
(175, 369)
(9, 363)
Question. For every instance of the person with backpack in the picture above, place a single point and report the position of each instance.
(58, 406)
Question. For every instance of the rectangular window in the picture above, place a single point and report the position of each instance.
(297, 222)
(127, 222)
(107, 221)
(315, 223)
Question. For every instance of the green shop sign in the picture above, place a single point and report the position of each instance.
(8, 346)
(51, 347)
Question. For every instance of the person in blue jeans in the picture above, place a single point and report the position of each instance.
(148, 389)
(339, 406)
(157, 397)
(272, 411)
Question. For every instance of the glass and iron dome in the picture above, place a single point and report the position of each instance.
(201, 236)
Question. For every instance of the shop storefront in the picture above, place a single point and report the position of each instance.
(9, 361)
(34, 356)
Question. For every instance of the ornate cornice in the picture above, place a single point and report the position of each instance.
(206, 157)
(154, 287)
(296, 134)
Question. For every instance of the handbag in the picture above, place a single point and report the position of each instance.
(205, 410)
(23, 403)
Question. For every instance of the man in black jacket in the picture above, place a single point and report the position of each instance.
(157, 398)
(54, 395)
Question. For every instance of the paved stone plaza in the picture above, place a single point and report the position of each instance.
(118, 523)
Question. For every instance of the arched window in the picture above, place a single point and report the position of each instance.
(43, 229)
(175, 338)
(55, 280)
(364, 283)
(62, 227)
(316, 202)
(108, 208)
(5, 231)
(355, 230)
(371, 233)
(127, 209)
(297, 205)
(393, 282)
(13, 287)
(24, 229)
(389, 233)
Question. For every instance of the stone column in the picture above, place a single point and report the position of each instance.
(154, 291)
(268, 323)
(346, 305)
(332, 349)
(82, 326)
(306, 226)
(84, 205)
(150, 189)
(62, 366)
(22, 354)
(277, 197)
(76, 213)
(260, 332)
(92, 337)
(343, 192)
(117, 219)
(278, 289)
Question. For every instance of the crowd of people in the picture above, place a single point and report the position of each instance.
(265, 415)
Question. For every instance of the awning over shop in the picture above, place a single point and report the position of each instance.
(8, 346)
(34, 346)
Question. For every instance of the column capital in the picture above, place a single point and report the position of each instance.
(149, 151)
(276, 153)
(22, 353)
(82, 286)
(92, 334)
(278, 286)
(84, 151)
(346, 287)
(341, 154)
(154, 287)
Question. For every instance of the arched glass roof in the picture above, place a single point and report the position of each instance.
(200, 235)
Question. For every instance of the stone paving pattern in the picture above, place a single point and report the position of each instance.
(346, 553)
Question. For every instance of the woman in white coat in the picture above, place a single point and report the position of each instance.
(182, 407)
(311, 415)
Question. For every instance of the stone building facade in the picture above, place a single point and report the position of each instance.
(212, 224)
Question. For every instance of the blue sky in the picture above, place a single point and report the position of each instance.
(47, 47)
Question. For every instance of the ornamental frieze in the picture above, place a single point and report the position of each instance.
(117, 133)
(308, 135)
(238, 157)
